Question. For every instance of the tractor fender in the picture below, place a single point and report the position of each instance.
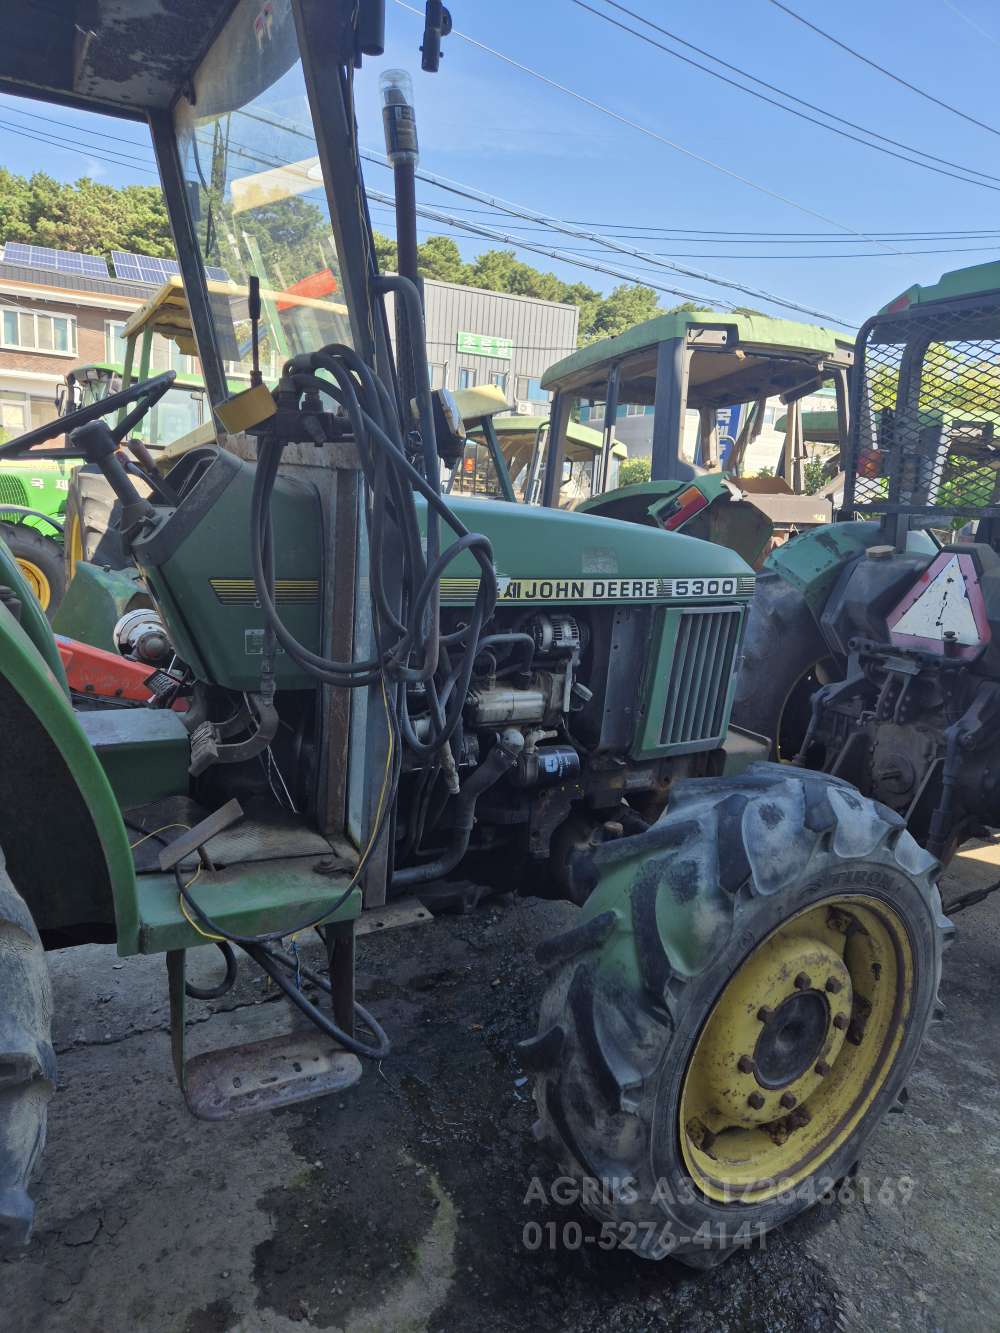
(32, 618)
(812, 561)
(60, 826)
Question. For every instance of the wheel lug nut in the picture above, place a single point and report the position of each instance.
(803, 981)
(834, 986)
(765, 1013)
(788, 1100)
(822, 1068)
(755, 1100)
(745, 1064)
(840, 1022)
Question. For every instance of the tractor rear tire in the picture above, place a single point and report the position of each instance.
(27, 1060)
(743, 1000)
(785, 660)
(90, 528)
(40, 561)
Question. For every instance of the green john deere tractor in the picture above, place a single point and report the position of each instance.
(389, 692)
(887, 673)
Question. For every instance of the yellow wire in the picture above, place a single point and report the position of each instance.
(390, 755)
(152, 834)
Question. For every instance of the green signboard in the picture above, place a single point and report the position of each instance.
(484, 344)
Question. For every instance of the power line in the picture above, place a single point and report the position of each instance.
(972, 23)
(863, 254)
(7, 106)
(946, 106)
(491, 234)
(949, 233)
(429, 233)
(652, 134)
(643, 37)
(515, 210)
(56, 142)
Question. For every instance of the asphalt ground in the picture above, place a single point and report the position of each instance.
(407, 1202)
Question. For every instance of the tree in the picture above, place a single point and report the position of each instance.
(814, 475)
(624, 306)
(385, 252)
(293, 236)
(439, 257)
(633, 470)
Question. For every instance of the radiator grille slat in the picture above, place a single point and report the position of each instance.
(13, 491)
(703, 662)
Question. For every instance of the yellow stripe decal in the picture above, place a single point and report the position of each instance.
(242, 592)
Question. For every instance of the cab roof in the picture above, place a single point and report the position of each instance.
(120, 57)
(949, 287)
(576, 433)
(746, 357)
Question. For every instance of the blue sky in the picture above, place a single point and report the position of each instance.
(498, 129)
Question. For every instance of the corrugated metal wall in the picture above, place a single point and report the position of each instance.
(542, 332)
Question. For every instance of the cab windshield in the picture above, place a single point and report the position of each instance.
(255, 187)
(523, 450)
(181, 409)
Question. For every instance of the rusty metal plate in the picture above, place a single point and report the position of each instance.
(264, 1075)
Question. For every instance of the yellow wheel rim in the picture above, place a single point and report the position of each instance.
(75, 544)
(37, 581)
(796, 1049)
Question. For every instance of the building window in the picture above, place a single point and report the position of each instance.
(164, 354)
(466, 378)
(531, 390)
(30, 331)
(21, 411)
(438, 372)
(499, 380)
(114, 343)
(768, 416)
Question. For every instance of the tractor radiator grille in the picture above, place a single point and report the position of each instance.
(12, 491)
(700, 674)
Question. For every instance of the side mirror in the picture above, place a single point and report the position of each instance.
(62, 393)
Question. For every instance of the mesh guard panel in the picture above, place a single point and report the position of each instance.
(925, 429)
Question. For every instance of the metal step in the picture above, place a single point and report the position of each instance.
(264, 1075)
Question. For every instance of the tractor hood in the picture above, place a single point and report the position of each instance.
(556, 555)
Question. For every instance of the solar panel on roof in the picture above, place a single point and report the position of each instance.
(59, 261)
(149, 268)
(144, 268)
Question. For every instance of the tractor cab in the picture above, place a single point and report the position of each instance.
(503, 453)
(694, 393)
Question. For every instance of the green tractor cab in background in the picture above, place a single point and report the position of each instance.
(503, 453)
(55, 513)
(684, 369)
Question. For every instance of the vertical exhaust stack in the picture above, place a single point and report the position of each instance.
(403, 151)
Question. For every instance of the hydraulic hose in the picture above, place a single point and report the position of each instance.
(500, 760)
(273, 964)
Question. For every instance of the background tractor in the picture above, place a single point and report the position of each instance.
(887, 673)
(55, 512)
(388, 692)
(678, 374)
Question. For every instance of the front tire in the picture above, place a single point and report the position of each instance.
(785, 660)
(742, 1002)
(90, 529)
(27, 1060)
(40, 560)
